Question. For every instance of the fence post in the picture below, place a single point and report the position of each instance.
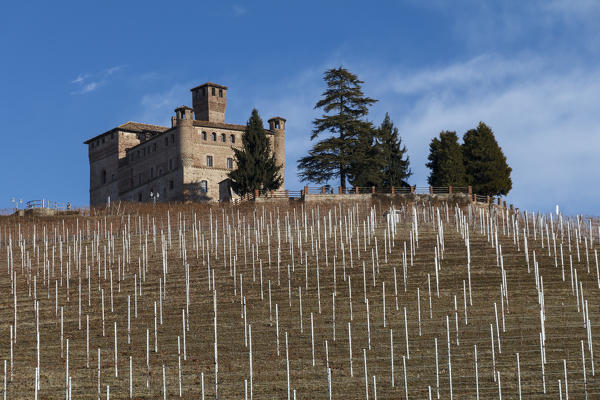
(373, 189)
(287, 194)
(470, 190)
(305, 190)
(255, 194)
(340, 190)
(356, 189)
(412, 190)
(499, 202)
(322, 189)
(431, 190)
(488, 199)
(449, 189)
(393, 190)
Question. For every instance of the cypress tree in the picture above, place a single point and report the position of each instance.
(345, 108)
(396, 164)
(368, 162)
(446, 161)
(256, 168)
(485, 164)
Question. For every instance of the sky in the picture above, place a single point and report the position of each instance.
(530, 70)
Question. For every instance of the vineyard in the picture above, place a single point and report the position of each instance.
(280, 300)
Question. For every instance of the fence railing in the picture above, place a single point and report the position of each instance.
(31, 204)
(401, 190)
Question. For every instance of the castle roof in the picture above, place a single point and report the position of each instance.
(135, 127)
(211, 84)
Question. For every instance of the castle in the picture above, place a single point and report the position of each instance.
(187, 162)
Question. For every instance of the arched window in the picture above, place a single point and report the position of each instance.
(203, 186)
(214, 136)
(209, 161)
(232, 137)
(223, 138)
(203, 135)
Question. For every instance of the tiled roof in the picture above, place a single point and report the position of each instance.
(136, 127)
(222, 125)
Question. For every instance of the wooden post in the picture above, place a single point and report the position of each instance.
(449, 189)
(340, 191)
(488, 199)
(393, 190)
(287, 194)
(356, 189)
(322, 189)
(255, 193)
(412, 190)
(305, 190)
(431, 190)
(499, 202)
(372, 189)
(470, 190)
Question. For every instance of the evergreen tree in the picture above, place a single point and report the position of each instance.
(345, 107)
(256, 168)
(367, 159)
(396, 168)
(485, 163)
(446, 161)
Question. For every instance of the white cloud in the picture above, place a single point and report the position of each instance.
(87, 83)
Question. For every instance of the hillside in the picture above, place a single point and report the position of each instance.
(289, 284)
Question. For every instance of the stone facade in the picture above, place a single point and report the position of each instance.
(187, 162)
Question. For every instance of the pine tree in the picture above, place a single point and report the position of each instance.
(367, 159)
(396, 168)
(345, 108)
(256, 168)
(446, 161)
(486, 166)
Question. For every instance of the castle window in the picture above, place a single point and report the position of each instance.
(209, 161)
(214, 136)
(276, 124)
(103, 176)
(203, 186)
(140, 196)
(223, 138)
(214, 92)
(232, 138)
(230, 163)
(220, 92)
(203, 135)
(171, 184)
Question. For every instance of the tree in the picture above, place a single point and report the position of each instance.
(345, 106)
(256, 168)
(367, 159)
(396, 168)
(485, 164)
(446, 161)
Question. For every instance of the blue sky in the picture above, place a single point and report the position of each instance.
(72, 70)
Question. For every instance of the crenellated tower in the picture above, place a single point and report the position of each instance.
(209, 102)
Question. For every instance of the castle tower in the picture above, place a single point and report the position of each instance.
(184, 122)
(209, 102)
(277, 125)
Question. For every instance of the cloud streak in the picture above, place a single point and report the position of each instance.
(89, 82)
